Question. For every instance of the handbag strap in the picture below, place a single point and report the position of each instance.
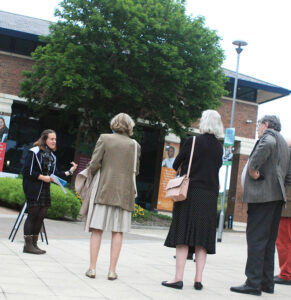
(191, 156)
(135, 156)
(134, 167)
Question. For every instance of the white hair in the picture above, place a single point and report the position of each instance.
(210, 122)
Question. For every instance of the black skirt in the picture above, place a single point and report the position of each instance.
(194, 221)
(44, 199)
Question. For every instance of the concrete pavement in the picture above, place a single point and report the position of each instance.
(143, 264)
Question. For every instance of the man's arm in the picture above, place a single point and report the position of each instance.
(263, 151)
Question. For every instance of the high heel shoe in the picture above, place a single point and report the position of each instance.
(112, 275)
(198, 285)
(91, 273)
(175, 285)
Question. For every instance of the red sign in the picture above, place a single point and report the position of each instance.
(2, 155)
(82, 162)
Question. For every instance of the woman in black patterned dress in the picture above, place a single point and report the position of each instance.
(39, 165)
(193, 226)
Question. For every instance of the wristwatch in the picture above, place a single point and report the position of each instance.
(70, 172)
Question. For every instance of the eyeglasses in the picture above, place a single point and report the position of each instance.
(260, 123)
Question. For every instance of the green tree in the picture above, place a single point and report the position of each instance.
(142, 57)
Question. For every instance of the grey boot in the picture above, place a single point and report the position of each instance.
(28, 246)
(34, 242)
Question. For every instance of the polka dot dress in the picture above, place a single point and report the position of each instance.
(194, 221)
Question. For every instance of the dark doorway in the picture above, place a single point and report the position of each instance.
(150, 161)
(26, 127)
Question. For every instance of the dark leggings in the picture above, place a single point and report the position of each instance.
(34, 220)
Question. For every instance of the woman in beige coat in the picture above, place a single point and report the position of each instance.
(114, 155)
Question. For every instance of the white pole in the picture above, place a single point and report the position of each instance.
(221, 217)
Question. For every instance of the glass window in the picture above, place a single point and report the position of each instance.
(17, 45)
(25, 129)
(243, 92)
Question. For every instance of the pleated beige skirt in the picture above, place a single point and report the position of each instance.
(110, 218)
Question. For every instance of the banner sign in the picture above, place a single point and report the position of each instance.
(4, 128)
(82, 161)
(171, 150)
(228, 144)
(2, 155)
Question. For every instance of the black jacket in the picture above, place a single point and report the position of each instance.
(206, 162)
(32, 169)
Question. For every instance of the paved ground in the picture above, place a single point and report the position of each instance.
(143, 264)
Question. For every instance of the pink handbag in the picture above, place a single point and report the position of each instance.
(177, 188)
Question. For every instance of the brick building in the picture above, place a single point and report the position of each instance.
(19, 37)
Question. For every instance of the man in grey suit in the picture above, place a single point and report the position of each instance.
(264, 191)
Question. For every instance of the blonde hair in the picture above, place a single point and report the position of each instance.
(122, 123)
(210, 122)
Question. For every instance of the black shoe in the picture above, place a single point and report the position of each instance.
(246, 289)
(176, 285)
(198, 286)
(190, 256)
(279, 280)
(268, 289)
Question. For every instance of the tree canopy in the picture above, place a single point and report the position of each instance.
(143, 57)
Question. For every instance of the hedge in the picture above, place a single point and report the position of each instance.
(63, 205)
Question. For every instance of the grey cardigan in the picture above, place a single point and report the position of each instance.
(271, 158)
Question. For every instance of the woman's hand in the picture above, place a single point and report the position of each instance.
(254, 174)
(44, 178)
(74, 167)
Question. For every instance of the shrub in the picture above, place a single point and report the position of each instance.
(63, 205)
(138, 211)
(140, 214)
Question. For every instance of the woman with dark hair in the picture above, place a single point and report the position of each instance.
(3, 129)
(39, 165)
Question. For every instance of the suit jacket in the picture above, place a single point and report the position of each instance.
(114, 156)
(271, 158)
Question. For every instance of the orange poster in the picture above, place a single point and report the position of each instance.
(171, 150)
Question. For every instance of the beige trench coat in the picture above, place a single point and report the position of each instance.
(114, 156)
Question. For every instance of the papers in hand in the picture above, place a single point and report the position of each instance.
(60, 182)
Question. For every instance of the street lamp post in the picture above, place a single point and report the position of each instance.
(239, 49)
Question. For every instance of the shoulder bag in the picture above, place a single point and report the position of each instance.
(177, 188)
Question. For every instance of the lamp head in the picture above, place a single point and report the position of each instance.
(240, 44)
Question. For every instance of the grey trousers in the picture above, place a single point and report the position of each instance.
(262, 229)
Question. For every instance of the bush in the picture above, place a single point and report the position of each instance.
(63, 205)
(140, 214)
